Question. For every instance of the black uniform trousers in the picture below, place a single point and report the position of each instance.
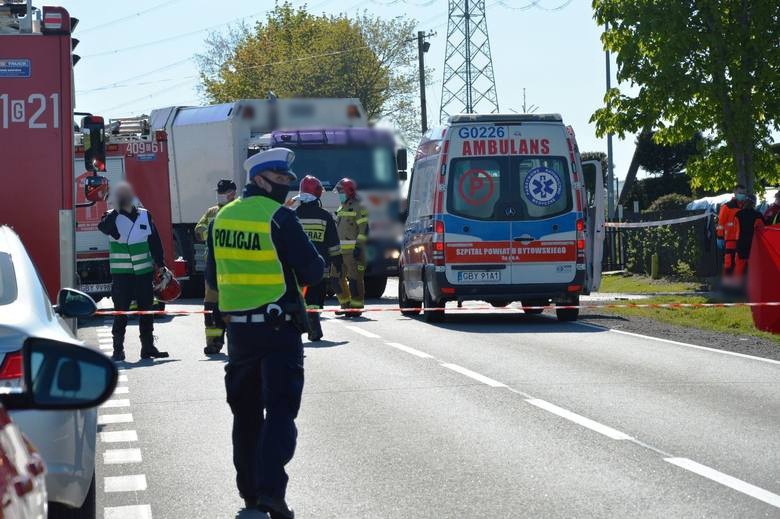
(316, 294)
(264, 383)
(124, 289)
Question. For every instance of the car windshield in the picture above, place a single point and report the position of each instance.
(508, 188)
(370, 167)
(7, 280)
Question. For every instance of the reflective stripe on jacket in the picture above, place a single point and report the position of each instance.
(202, 227)
(130, 253)
(352, 224)
(249, 272)
(726, 228)
(320, 228)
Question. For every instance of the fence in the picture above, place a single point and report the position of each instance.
(685, 250)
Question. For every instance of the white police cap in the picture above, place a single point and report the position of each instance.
(275, 159)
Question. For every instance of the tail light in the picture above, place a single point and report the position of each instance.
(160, 136)
(581, 242)
(438, 243)
(12, 369)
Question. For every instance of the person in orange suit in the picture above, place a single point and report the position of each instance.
(727, 234)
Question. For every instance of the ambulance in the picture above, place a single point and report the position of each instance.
(501, 209)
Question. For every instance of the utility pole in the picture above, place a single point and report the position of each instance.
(422, 48)
(610, 171)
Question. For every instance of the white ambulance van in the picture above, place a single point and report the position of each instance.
(501, 209)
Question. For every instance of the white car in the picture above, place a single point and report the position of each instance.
(65, 439)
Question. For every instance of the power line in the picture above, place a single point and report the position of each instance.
(122, 82)
(128, 17)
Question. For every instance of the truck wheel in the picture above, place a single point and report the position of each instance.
(534, 311)
(568, 314)
(375, 287)
(499, 303)
(88, 509)
(405, 302)
(431, 316)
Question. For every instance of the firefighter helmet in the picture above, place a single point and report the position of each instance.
(166, 287)
(96, 188)
(311, 185)
(347, 186)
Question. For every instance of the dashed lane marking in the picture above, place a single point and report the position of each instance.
(122, 378)
(578, 419)
(134, 483)
(115, 402)
(120, 456)
(363, 332)
(407, 349)
(118, 436)
(729, 481)
(107, 419)
(473, 374)
(121, 390)
(128, 512)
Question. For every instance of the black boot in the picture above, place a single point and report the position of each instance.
(315, 329)
(150, 351)
(119, 349)
(275, 506)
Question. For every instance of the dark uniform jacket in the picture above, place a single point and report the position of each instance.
(107, 226)
(300, 261)
(746, 220)
(314, 218)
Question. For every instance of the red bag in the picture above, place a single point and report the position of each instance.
(764, 278)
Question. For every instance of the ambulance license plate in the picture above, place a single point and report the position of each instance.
(96, 288)
(479, 276)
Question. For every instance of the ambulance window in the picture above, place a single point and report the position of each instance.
(543, 185)
(422, 189)
(475, 186)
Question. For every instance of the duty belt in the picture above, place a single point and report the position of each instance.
(254, 318)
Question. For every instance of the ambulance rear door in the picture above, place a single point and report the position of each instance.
(544, 219)
(596, 206)
(477, 196)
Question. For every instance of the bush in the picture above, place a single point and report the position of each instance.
(670, 202)
(679, 247)
(684, 272)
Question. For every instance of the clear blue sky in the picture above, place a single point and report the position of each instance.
(136, 55)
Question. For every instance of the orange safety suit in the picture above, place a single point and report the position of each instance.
(727, 231)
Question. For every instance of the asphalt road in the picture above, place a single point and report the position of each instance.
(486, 415)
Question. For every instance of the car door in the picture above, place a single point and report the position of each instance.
(596, 201)
(544, 225)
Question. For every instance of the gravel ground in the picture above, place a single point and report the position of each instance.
(746, 344)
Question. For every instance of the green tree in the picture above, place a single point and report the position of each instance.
(295, 53)
(698, 64)
(666, 159)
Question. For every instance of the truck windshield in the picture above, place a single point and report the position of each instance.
(370, 167)
(509, 188)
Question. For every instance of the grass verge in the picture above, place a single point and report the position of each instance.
(643, 285)
(736, 320)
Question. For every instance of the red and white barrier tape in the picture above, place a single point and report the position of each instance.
(671, 221)
(389, 308)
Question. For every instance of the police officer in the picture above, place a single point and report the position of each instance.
(215, 326)
(321, 229)
(258, 256)
(135, 252)
(352, 226)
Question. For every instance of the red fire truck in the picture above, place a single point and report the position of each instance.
(36, 137)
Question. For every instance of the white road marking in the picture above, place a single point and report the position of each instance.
(678, 343)
(122, 378)
(118, 436)
(118, 456)
(580, 420)
(133, 483)
(104, 333)
(116, 402)
(472, 374)
(106, 347)
(729, 481)
(128, 512)
(363, 332)
(107, 419)
(407, 349)
(121, 390)
(106, 340)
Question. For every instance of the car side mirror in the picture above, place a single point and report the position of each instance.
(73, 303)
(401, 163)
(60, 376)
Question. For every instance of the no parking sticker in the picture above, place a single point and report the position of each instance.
(543, 186)
(476, 186)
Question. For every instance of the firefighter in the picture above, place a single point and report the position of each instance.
(352, 225)
(727, 234)
(136, 252)
(772, 213)
(747, 220)
(258, 255)
(321, 229)
(215, 326)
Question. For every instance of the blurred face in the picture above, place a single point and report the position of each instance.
(740, 193)
(123, 196)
